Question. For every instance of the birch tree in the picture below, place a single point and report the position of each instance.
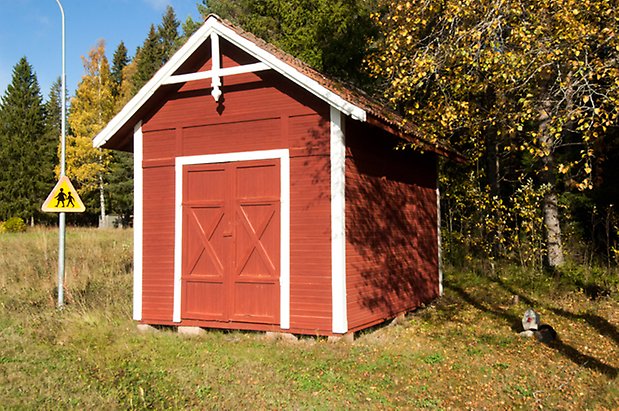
(91, 109)
(514, 85)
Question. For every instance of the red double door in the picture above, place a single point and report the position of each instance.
(231, 242)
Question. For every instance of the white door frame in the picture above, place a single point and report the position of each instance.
(284, 278)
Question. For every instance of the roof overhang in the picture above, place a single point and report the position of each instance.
(130, 114)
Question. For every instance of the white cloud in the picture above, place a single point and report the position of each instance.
(158, 5)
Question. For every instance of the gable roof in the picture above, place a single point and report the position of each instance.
(346, 99)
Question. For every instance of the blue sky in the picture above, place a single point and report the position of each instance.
(32, 28)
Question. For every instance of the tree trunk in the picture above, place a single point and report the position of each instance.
(492, 161)
(102, 222)
(550, 206)
(553, 230)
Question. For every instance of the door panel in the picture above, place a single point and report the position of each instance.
(255, 245)
(205, 250)
(231, 241)
(205, 219)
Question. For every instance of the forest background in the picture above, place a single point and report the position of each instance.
(526, 91)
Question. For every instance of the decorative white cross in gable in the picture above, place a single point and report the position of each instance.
(216, 72)
(214, 28)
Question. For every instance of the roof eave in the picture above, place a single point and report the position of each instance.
(211, 25)
(417, 141)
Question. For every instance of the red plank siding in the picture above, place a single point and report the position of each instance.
(158, 243)
(159, 145)
(391, 250)
(310, 247)
(260, 111)
(259, 134)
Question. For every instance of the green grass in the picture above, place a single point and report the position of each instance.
(459, 353)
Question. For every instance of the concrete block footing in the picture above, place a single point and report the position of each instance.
(274, 336)
(190, 331)
(145, 328)
(346, 338)
(399, 319)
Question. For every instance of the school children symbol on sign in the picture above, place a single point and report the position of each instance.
(63, 198)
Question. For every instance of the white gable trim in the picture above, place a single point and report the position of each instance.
(216, 63)
(290, 72)
(213, 25)
(204, 75)
(284, 278)
(153, 84)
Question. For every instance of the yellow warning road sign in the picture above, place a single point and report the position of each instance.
(63, 198)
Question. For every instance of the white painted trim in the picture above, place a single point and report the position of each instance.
(194, 42)
(138, 201)
(284, 250)
(216, 67)
(439, 241)
(284, 156)
(204, 75)
(210, 26)
(290, 72)
(338, 223)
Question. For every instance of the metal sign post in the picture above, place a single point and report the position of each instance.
(61, 216)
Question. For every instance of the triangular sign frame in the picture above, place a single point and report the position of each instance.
(63, 198)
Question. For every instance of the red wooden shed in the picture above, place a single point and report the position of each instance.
(268, 197)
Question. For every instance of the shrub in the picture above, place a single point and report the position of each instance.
(594, 281)
(13, 225)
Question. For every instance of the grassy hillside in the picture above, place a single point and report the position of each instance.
(460, 353)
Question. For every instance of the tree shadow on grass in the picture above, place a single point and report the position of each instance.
(566, 350)
(602, 325)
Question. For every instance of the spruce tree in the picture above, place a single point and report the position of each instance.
(168, 34)
(148, 60)
(25, 171)
(53, 132)
(189, 27)
(331, 36)
(119, 179)
(119, 62)
(53, 110)
(119, 182)
(157, 49)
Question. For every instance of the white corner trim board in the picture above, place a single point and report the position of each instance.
(439, 241)
(284, 157)
(338, 223)
(138, 201)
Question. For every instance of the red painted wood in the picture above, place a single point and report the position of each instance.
(158, 244)
(310, 236)
(391, 250)
(274, 115)
(230, 275)
(221, 137)
(205, 255)
(256, 268)
(159, 144)
(231, 242)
